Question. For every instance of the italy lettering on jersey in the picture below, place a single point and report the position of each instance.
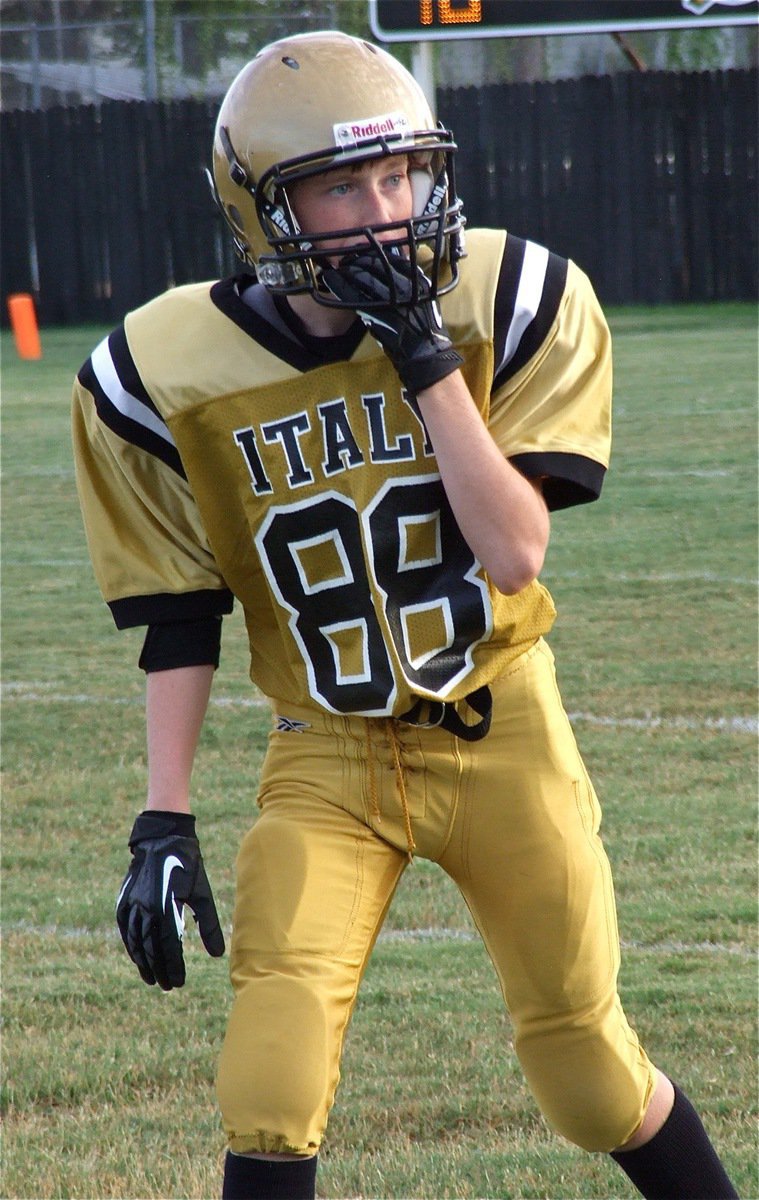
(219, 456)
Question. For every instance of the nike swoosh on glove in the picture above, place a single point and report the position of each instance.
(402, 318)
(166, 873)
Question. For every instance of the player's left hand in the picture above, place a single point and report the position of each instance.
(411, 332)
(166, 873)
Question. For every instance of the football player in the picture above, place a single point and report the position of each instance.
(360, 438)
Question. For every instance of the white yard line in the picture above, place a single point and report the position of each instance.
(654, 577)
(47, 562)
(42, 693)
(429, 936)
(694, 472)
(39, 473)
(686, 724)
(668, 947)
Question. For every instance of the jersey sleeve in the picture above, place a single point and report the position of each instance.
(149, 550)
(551, 399)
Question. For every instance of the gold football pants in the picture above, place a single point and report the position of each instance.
(514, 820)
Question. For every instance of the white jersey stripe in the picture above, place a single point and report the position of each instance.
(127, 404)
(528, 298)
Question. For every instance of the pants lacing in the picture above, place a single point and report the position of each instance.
(400, 781)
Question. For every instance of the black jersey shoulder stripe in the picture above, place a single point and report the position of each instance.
(537, 331)
(122, 402)
(568, 479)
(529, 291)
(505, 299)
(127, 372)
(279, 332)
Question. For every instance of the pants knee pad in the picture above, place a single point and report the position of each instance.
(276, 1083)
(592, 1087)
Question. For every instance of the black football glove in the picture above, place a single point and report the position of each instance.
(392, 297)
(166, 873)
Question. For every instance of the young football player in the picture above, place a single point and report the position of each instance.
(360, 438)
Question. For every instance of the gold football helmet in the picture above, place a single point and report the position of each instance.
(304, 105)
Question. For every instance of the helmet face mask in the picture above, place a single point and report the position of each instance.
(298, 82)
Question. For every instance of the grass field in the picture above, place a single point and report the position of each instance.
(108, 1085)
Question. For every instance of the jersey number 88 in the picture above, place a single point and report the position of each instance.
(396, 584)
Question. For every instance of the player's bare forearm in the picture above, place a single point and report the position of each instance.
(502, 515)
(175, 706)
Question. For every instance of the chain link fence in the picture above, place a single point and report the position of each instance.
(42, 66)
(181, 57)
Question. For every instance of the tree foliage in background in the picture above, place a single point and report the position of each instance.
(196, 36)
(211, 32)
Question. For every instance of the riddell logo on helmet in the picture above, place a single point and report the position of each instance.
(349, 133)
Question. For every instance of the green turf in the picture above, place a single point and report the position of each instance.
(108, 1085)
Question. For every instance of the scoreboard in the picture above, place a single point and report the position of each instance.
(421, 20)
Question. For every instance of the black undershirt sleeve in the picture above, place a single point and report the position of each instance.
(174, 644)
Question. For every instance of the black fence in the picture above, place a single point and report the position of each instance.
(649, 181)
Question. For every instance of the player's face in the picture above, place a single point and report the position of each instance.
(370, 193)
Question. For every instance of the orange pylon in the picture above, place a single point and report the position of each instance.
(24, 325)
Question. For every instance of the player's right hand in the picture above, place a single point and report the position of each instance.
(166, 873)
(393, 298)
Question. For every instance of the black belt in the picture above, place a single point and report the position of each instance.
(445, 716)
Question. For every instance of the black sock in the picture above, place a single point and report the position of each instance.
(679, 1163)
(248, 1178)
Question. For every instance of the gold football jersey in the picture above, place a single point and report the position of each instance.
(219, 455)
